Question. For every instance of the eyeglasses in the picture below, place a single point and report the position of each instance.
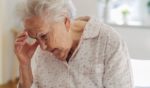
(42, 36)
(39, 36)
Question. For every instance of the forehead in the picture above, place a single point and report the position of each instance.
(34, 22)
(34, 25)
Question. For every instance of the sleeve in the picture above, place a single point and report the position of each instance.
(117, 69)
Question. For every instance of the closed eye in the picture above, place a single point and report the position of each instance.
(44, 37)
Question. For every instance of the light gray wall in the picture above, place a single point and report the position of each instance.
(86, 7)
(138, 40)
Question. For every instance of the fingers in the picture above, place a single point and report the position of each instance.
(22, 34)
(19, 46)
(20, 41)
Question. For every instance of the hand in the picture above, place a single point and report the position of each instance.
(23, 50)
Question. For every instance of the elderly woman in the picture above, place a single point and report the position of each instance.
(73, 53)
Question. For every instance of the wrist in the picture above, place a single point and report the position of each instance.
(25, 66)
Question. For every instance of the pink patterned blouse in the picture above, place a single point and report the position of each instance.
(101, 60)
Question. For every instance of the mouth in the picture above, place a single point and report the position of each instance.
(53, 50)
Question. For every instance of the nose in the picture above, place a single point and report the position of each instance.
(42, 45)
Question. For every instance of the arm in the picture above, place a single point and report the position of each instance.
(26, 77)
(28, 74)
(24, 51)
(117, 72)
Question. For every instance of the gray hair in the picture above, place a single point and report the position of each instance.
(55, 9)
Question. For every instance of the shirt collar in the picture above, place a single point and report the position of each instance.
(91, 29)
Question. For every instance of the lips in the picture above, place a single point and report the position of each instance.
(53, 50)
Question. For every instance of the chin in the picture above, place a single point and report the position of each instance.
(63, 56)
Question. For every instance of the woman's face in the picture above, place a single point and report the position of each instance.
(52, 36)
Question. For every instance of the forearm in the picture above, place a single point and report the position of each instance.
(26, 77)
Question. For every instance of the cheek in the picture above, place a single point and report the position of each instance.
(54, 41)
(58, 39)
(49, 41)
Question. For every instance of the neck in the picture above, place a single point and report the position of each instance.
(77, 28)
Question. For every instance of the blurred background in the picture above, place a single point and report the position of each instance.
(131, 18)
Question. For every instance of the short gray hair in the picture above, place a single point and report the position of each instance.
(53, 8)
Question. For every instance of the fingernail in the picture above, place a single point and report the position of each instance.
(26, 33)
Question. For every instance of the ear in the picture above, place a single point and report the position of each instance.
(67, 23)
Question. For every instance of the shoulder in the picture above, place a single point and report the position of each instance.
(106, 35)
(113, 39)
(110, 33)
(102, 30)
